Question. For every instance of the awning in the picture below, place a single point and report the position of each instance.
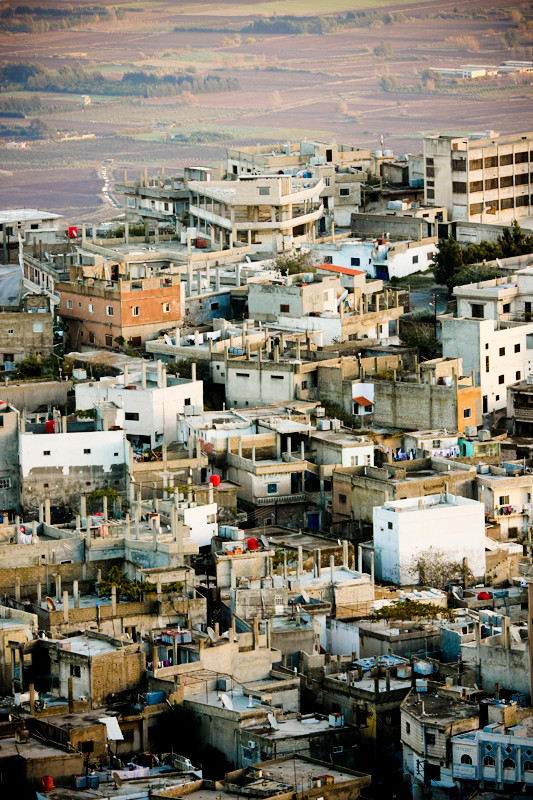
(363, 401)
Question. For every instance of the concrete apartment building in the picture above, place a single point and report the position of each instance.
(28, 223)
(507, 499)
(268, 213)
(492, 334)
(150, 402)
(9, 464)
(520, 407)
(25, 330)
(99, 310)
(294, 296)
(477, 179)
(405, 529)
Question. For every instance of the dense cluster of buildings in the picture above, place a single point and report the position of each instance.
(251, 543)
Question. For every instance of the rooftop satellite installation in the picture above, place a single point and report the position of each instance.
(117, 779)
(305, 596)
(226, 702)
(273, 722)
(265, 541)
(211, 633)
(50, 603)
(499, 263)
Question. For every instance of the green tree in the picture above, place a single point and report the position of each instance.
(437, 570)
(383, 50)
(448, 263)
(389, 83)
(293, 263)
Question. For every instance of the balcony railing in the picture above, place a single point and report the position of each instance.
(280, 498)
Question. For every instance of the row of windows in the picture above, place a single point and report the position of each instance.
(503, 204)
(459, 187)
(505, 160)
(489, 761)
(86, 451)
(110, 311)
(37, 328)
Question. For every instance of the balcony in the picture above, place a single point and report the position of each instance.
(280, 498)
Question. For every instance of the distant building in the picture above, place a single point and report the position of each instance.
(26, 330)
(479, 179)
(30, 224)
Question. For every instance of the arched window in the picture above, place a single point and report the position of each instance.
(509, 764)
(466, 759)
(488, 761)
(528, 766)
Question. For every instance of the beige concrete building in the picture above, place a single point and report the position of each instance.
(268, 212)
(25, 330)
(476, 179)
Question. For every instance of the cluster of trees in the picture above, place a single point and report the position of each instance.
(19, 106)
(39, 19)
(37, 129)
(288, 24)
(75, 78)
(453, 263)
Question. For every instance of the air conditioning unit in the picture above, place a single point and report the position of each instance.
(251, 745)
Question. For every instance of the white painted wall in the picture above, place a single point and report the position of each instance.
(402, 531)
(342, 639)
(67, 450)
(202, 522)
(157, 407)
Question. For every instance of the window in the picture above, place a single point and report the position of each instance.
(75, 671)
(415, 259)
(507, 202)
(304, 384)
(407, 727)
(37, 327)
(5, 483)
(46, 452)
(69, 304)
(355, 262)
(389, 525)
(136, 341)
(476, 208)
(110, 311)
(488, 761)
(487, 364)
(91, 308)
(501, 378)
(517, 375)
(459, 165)
(342, 499)
(344, 192)
(506, 308)
(279, 378)
(528, 766)
(92, 337)
(131, 202)
(86, 451)
(467, 413)
(476, 186)
(133, 416)
(284, 308)
(504, 499)
(478, 310)
(272, 488)
(327, 181)
(491, 161)
(264, 190)
(11, 331)
(466, 759)
(430, 738)
(108, 340)
(166, 308)
(430, 172)
(475, 163)
(187, 401)
(430, 194)
(521, 180)
(242, 374)
(79, 305)
(506, 181)
(502, 351)
(214, 306)
(509, 763)
(517, 348)
(135, 311)
(521, 158)
(354, 461)
(1, 420)
(506, 160)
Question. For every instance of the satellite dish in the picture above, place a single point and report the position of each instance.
(499, 263)
(226, 702)
(117, 779)
(211, 633)
(273, 722)
(50, 603)
(265, 541)
(305, 597)
(339, 542)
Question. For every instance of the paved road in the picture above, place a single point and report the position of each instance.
(10, 280)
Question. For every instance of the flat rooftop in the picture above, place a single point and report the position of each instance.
(8, 215)
(368, 684)
(297, 727)
(87, 646)
(340, 575)
(141, 788)
(433, 707)
(239, 701)
(301, 771)
(341, 438)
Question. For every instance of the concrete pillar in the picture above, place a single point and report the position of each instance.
(316, 562)
(372, 572)
(105, 509)
(128, 524)
(278, 447)
(76, 593)
(300, 567)
(359, 558)
(58, 586)
(289, 448)
(47, 517)
(302, 450)
(345, 553)
(21, 668)
(256, 633)
(65, 606)
(159, 364)
(17, 588)
(285, 565)
(41, 513)
(70, 696)
(332, 569)
(39, 593)
(32, 699)
(253, 454)
(143, 374)
(83, 511)
(64, 425)
(13, 668)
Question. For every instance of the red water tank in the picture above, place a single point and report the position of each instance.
(251, 544)
(47, 782)
(214, 480)
(49, 426)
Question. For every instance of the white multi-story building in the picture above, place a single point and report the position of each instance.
(493, 334)
(379, 258)
(478, 179)
(151, 403)
(407, 529)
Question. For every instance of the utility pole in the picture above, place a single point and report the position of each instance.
(435, 314)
